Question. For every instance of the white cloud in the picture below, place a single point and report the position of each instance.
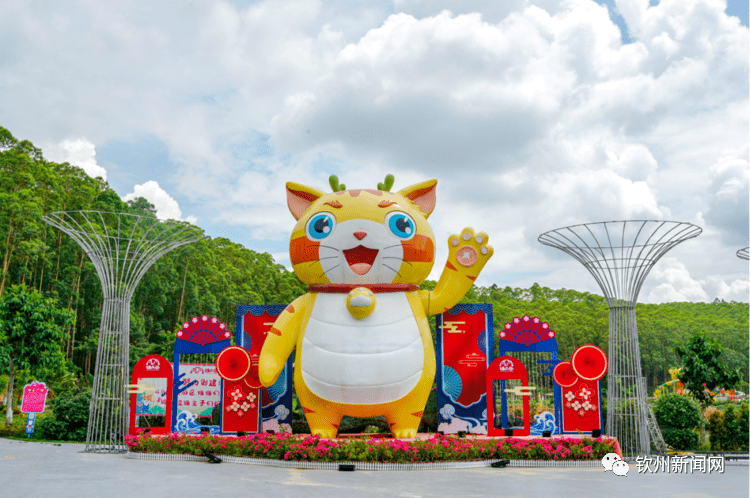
(530, 113)
(79, 152)
(729, 199)
(676, 283)
(166, 207)
(735, 290)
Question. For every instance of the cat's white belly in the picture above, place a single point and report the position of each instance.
(376, 360)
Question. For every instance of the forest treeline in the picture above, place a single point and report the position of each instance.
(215, 275)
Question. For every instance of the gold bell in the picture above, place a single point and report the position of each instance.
(360, 302)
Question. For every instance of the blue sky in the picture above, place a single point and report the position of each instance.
(532, 115)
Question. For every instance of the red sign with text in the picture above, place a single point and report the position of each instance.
(34, 397)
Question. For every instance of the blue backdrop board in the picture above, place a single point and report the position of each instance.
(253, 323)
(535, 344)
(197, 336)
(464, 351)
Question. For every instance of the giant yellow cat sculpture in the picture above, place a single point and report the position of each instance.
(363, 340)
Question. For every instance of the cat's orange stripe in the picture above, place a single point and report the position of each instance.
(302, 250)
(420, 249)
(450, 266)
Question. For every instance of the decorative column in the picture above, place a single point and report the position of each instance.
(619, 255)
(122, 247)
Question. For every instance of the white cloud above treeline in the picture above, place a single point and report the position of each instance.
(166, 207)
(79, 152)
(532, 114)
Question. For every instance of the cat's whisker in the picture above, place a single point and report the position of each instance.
(391, 247)
(392, 269)
(329, 269)
(328, 257)
(396, 257)
(307, 262)
(330, 247)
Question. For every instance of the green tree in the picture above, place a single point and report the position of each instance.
(678, 416)
(703, 369)
(32, 329)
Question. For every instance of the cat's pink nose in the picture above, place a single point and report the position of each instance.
(360, 235)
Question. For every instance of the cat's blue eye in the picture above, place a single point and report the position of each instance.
(400, 224)
(320, 226)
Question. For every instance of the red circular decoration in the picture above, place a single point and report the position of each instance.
(233, 363)
(252, 378)
(564, 375)
(589, 362)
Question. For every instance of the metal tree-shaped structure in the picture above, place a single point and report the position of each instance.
(743, 253)
(122, 247)
(619, 255)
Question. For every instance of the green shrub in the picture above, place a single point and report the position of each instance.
(744, 427)
(729, 430)
(677, 412)
(14, 430)
(71, 418)
(681, 439)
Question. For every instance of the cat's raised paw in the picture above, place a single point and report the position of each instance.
(470, 250)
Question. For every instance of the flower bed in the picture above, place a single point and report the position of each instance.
(437, 448)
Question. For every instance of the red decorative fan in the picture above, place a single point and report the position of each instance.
(526, 331)
(564, 375)
(203, 330)
(589, 362)
(233, 363)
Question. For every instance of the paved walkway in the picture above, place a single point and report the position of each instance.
(46, 470)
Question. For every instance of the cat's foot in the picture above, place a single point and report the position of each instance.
(324, 433)
(322, 423)
(404, 433)
(469, 251)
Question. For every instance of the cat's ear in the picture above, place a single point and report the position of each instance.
(423, 195)
(299, 197)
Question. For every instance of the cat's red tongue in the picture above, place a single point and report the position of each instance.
(360, 259)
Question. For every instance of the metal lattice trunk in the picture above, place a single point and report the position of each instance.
(619, 255)
(122, 248)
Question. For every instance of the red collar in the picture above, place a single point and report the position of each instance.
(346, 288)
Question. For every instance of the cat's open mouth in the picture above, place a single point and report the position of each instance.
(360, 259)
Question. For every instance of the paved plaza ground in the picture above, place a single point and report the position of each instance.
(50, 471)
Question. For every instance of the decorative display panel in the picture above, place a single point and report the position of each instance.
(534, 343)
(464, 351)
(253, 323)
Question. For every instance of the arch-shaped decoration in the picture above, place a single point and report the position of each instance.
(502, 369)
(152, 377)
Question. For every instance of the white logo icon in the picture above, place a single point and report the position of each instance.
(620, 468)
(152, 365)
(505, 366)
(613, 462)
